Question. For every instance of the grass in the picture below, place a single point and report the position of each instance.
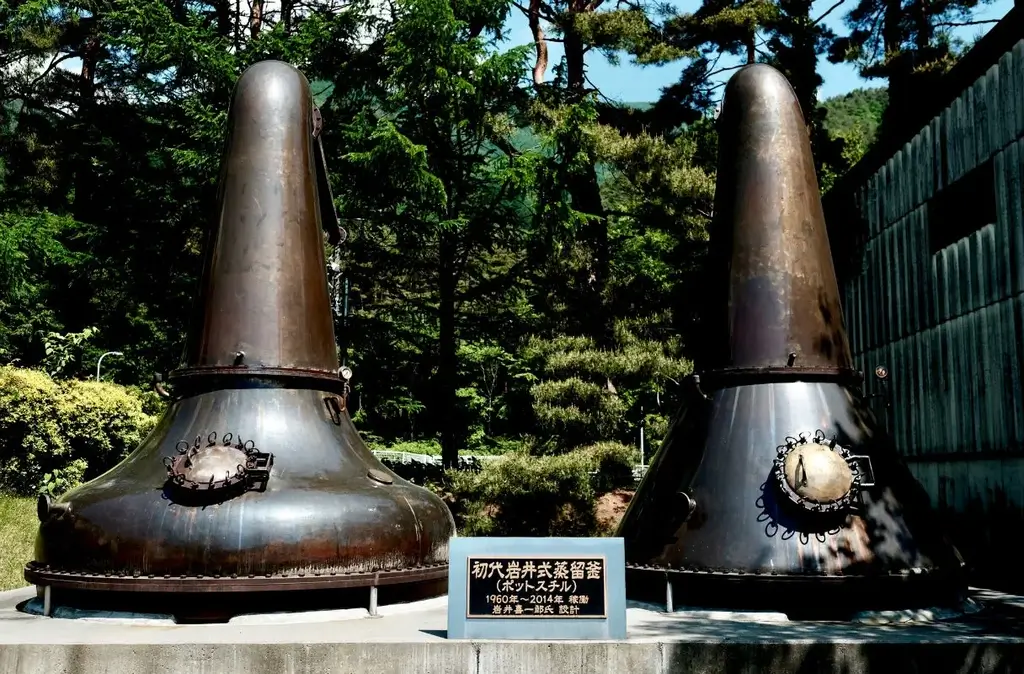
(18, 525)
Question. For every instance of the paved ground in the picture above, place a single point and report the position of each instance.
(411, 638)
(1002, 620)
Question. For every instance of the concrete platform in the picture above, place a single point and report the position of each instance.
(412, 638)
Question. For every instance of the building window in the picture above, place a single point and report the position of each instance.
(962, 208)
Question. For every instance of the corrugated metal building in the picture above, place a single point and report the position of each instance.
(928, 236)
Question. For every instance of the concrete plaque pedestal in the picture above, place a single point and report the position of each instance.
(412, 639)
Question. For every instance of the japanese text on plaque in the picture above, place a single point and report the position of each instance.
(522, 587)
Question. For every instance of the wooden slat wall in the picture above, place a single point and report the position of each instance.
(949, 325)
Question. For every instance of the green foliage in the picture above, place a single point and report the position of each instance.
(860, 108)
(152, 404)
(855, 118)
(430, 447)
(34, 256)
(63, 351)
(54, 434)
(584, 395)
(523, 495)
(613, 465)
(483, 368)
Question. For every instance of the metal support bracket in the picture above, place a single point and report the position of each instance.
(864, 469)
(373, 597)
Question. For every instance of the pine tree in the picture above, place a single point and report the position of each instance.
(431, 164)
(910, 44)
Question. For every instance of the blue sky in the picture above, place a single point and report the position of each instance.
(627, 82)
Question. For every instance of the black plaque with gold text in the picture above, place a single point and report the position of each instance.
(535, 586)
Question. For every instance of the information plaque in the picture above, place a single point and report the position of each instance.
(536, 588)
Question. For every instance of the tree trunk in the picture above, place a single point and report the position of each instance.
(586, 198)
(237, 27)
(923, 29)
(541, 64)
(287, 8)
(892, 39)
(255, 18)
(222, 10)
(802, 60)
(446, 401)
(85, 118)
(575, 65)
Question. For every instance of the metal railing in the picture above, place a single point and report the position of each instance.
(410, 457)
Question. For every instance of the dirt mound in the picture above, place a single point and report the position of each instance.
(611, 507)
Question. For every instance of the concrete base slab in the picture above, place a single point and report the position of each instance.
(412, 638)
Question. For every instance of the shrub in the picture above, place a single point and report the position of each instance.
(53, 435)
(431, 447)
(522, 495)
(152, 404)
(613, 463)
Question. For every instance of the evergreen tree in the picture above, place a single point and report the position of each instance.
(910, 44)
(443, 118)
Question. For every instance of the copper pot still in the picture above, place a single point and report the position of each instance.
(775, 488)
(254, 492)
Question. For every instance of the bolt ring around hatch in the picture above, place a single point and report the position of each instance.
(834, 504)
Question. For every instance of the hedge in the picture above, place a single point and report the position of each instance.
(520, 494)
(56, 434)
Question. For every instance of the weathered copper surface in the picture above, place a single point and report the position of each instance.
(775, 487)
(255, 478)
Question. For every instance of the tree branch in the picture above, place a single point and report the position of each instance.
(53, 64)
(724, 70)
(594, 88)
(547, 13)
(965, 23)
(827, 12)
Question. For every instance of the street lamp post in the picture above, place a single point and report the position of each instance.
(100, 361)
(641, 436)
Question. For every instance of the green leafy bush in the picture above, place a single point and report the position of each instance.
(55, 434)
(431, 447)
(523, 495)
(612, 465)
(152, 403)
(583, 394)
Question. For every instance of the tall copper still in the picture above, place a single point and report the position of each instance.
(254, 491)
(775, 488)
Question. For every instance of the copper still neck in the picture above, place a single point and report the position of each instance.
(264, 305)
(780, 315)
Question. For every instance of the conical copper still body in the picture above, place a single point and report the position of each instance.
(774, 488)
(255, 488)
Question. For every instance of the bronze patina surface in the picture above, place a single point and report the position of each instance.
(775, 487)
(255, 481)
